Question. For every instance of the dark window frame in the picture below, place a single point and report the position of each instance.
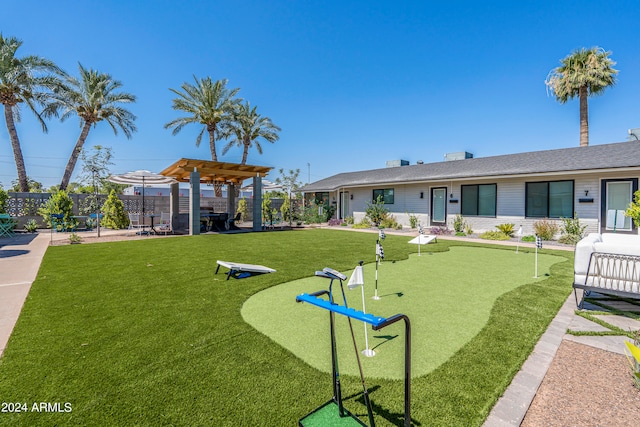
(477, 207)
(381, 192)
(526, 198)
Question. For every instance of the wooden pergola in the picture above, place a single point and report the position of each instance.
(214, 172)
(209, 172)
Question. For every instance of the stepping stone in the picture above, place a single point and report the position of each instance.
(579, 323)
(622, 322)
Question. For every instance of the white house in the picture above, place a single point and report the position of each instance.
(596, 183)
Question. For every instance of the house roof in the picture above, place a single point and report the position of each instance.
(214, 172)
(593, 157)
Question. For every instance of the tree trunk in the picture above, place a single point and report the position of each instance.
(17, 151)
(584, 116)
(71, 164)
(212, 142)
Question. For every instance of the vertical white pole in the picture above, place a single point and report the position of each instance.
(536, 276)
(367, 352)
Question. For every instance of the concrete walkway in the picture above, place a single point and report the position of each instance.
(20, 259)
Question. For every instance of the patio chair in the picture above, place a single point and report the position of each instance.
(134, 224)
(165, 223)
(57, 222)
(6, 225)
(232, 221)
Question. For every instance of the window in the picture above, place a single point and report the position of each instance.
(549, 199)
(386, 194)
(479, 200)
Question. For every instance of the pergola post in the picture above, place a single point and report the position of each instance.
(231, 200)
(257, 203)
(174, 204)
(194, 203)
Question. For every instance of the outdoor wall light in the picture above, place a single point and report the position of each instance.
(351, 196)
(422, 195)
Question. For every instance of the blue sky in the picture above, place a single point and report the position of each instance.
(352, 84)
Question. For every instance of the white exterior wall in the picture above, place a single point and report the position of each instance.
(510, 200)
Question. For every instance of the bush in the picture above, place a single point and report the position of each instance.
(458, 224)
(390, 222)
(572, 231)
(413, 221)
(242, 209)
(439, 231)
(546, 229)
(460, 233)
(3, 200)
(335, 221)
(376, 212)
(468, 230)
(569, 239)
(114, 216)
(529, 238)
(311, 214)
(633, 211)
(349, 220)
(365, 223)
(58, 203)
(506, 229)
(31, 226)
(494, 235)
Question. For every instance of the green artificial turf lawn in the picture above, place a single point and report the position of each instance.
(448, 298)
(143, 333)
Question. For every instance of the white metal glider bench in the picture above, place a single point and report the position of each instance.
(607, 264)
(242, 271)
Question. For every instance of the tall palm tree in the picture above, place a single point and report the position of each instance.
(584, 73)
(27, 80)
(246, 128)
(206, 103)
(93, 98)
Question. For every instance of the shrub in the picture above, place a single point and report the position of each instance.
(311, 214)
(413, 221)
(74, 238)
(335, 221)
(633, 211)
(506, 228)
(242, 209)
(439, 231)
(529, 238)
(31, 226)
(633, 356)
(494, 235)
(390, 222)
(458, 223)
(546, 229)
(114, 215)
(460, 233)
(365, 223)
(3, 200)
(349, 220)
(468, 230)
(58, 203)
(376, 212)
(572, 230)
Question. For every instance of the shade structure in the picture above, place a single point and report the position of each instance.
(141, 177)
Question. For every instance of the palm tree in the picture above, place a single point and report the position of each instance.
(246, 128)
(208, 103)
(93, 98)
(27, 80)
(584, 73)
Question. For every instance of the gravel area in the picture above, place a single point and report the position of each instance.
(585, 386)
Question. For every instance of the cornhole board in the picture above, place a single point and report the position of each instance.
(242, 271)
